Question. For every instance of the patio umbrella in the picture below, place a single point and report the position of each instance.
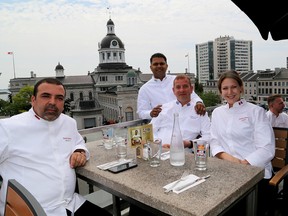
(269, 16)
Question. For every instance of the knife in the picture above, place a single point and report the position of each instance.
(180, 187)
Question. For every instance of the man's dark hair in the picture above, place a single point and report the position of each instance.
(158, 55)
(47, 80)
(272, 98)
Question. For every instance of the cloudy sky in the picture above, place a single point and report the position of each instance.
(42, 33)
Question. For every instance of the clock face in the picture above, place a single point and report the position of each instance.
(114, 43)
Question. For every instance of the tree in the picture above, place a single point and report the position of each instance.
(3, 107)
(21, 101)
(198, 86)
(210, 99)
(67, 106)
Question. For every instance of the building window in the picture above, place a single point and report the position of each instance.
(90, 95)
(103, 88)
(72, 96)
(89, 123)
(103, 78)
(129, 114)
(118, 78)
(81, 96)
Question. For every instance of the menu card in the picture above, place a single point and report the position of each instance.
(138, 136)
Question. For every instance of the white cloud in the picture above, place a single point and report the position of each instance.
(43, 33)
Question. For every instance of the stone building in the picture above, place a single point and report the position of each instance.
(116, 83)
(258, 86)
(106, 95)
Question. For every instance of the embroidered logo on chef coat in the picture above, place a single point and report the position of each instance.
(245, 118)
(67, 139)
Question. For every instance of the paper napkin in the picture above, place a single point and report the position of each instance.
(188, 181)
(165, 155)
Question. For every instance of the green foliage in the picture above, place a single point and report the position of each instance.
(198, 86)
(210, 99)
(67, 106)
(20, 101)
(3, 108)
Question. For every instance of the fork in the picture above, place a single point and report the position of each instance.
(190, 183)
(183, 177)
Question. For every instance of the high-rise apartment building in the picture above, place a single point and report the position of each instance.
(224, 53)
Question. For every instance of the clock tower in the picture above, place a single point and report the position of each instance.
(111, 49)
(116, 83)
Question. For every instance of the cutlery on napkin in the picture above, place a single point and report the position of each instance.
(113, 163)
(183, 186)
(189, 182)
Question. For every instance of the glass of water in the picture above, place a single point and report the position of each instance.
(155, 152)
(121, 146)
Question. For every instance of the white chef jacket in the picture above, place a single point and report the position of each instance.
(156, 92)
(280, 121)
(36, 153)
(245, 132)
(191, 124)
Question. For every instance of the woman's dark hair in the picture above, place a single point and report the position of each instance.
(230, 74)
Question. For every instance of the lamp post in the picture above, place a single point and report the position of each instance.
(120, 114)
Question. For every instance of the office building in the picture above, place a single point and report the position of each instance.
(224, 53)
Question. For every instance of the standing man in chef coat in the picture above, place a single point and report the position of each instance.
(158, 90)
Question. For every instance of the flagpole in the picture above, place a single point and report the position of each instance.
(188, 69)
(13, 65)
(12, 53)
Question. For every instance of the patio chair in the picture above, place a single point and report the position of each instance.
(20, 202)
(280, 167)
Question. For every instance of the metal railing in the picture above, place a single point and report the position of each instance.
(95, 133)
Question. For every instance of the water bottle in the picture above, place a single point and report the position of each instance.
(177, 152)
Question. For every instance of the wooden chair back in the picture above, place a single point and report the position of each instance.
(281, 142)
(280, 167)
(20, 202)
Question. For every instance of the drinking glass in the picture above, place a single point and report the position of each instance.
(200, 154)
(155, 152)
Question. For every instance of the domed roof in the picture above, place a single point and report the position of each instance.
(111, 40)
(110, 22)
(59, 67)
(106, 41)
(131, 73)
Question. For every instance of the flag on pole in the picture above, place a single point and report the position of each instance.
(10, 53)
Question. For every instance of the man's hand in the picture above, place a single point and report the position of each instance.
(77, 159)
(200, 108)
(167, 146)
(155, 111)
